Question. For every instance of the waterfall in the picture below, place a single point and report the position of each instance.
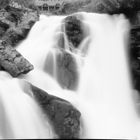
(20, 116)
(96, 80)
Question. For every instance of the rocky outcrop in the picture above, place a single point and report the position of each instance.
(3, 28)
(74, 30)
(4, 3)
(135, 56)
(64, 117)
(18, 23)
(15, 23)
(134, 50)
(73, 33)
(135, 19)
(12, 61)
(67, 71)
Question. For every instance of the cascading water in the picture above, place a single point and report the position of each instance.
(20, 116)
(103, 94)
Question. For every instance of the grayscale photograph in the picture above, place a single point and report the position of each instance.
(70, 69)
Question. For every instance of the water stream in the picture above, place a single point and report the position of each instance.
(103, 94)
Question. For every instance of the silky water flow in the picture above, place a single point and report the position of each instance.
(104, 93)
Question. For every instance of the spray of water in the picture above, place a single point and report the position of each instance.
(104, 91)
(20, 116)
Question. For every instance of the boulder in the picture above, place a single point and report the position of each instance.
(3, 28)
(4, 3)
(19, 22)
(135, 19)
(134, 52)
(67, 71)
(12, 61)
(16, 20)
(64, 117)
(73, 33)
(74, 30)
(13, 37)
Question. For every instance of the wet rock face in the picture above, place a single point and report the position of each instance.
(12, 37)
(74, 30)
(18, 24)
(64, 117)
(14, 14)
(63, 68)
(135, 56)
(4, 3)
(67, 73)
(3, 28)
(69, 39)
(12, 61)
(15, 24)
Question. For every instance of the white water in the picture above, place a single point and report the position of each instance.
(104, 92)
(20, 116)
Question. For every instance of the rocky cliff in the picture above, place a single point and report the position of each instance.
(16, 21)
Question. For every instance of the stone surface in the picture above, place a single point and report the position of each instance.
(67, 71)
(3, 3)
(135, 19)
(74, 30)
(16, 20)
(64, 117)
(13, 37)
(3, 28)
(73, 33)
(135, 56)
(12, 61)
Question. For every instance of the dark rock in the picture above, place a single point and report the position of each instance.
(25, 32)
(67, 72)
(3, 28)
(65, 69)
(19, 21)
(64, 117)
(135, 19)
(134, 53)
(16, 20)
(13, 37)
(15, 14)
(74, 30)
(12, 61)
(3, 3)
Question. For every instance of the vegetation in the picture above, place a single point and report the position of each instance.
(25, 3)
